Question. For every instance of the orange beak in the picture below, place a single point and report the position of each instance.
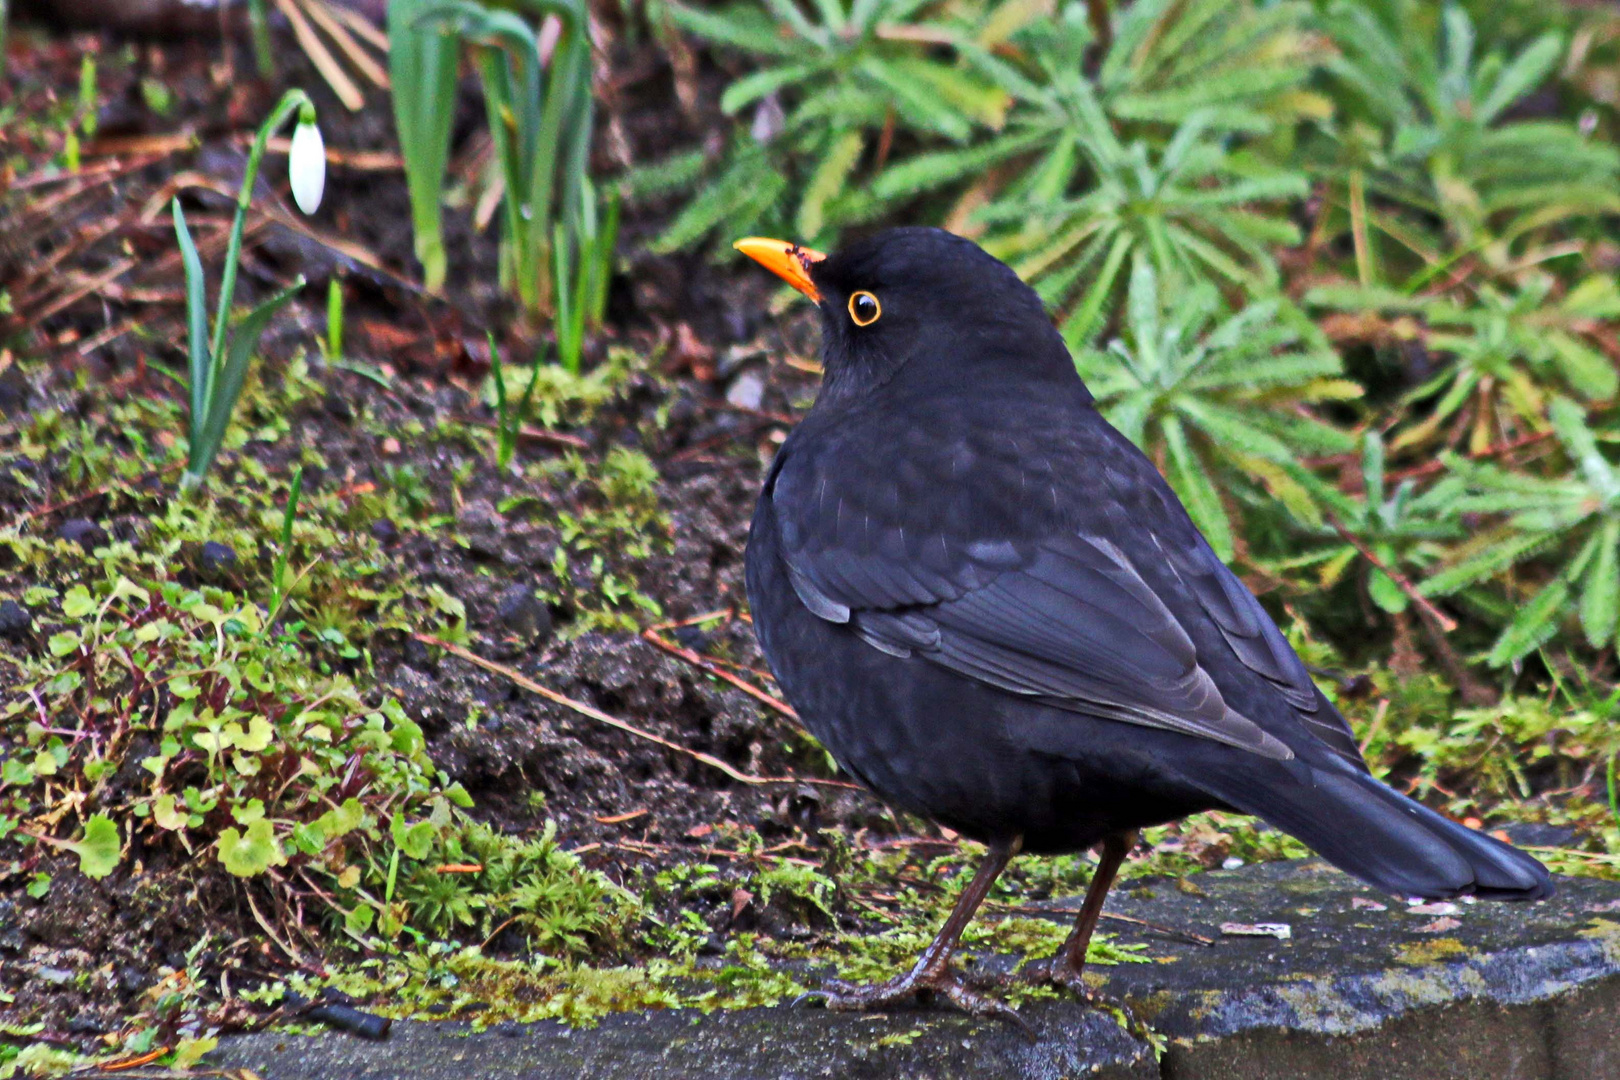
(790, 262)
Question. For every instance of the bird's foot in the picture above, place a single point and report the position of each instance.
(1058, 972)
(920, 987)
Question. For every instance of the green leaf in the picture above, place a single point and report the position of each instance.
(99, 847)
(416, 841)
(916, 100)
(1600, 596)
(1080, 328)
(199, 360)
(251, 853)
(249, 812)
(929, 171)
(1481, 564)
(1569, 420)
(359, 920)
(225, 386)
(1385, 593)
(742, 27)
(751, 88)
(830, 177)
(257, 737)
(78, 603)
(166, 815)
(1527, 71)
(1535, 623)
(1588, 371)
(1193, 485)
(750, 183)
(189, 1052)
(15, 771)
(339, 821)
(422, 63)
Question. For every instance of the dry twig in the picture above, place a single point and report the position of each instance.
(653, 637)
(614, 722)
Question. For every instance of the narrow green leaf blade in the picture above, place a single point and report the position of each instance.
(1600, 595)
(199, 362)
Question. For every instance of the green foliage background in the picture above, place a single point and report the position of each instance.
(1346, 270)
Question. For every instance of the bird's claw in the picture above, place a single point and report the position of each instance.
(843, 996)
(1057, 972)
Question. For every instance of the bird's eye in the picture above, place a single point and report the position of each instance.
(864, 308)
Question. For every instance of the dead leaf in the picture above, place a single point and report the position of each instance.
(1441, 907)
(1278, 930)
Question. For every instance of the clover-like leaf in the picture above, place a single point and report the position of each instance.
(251, 853)
(99, 847)
(167, 815)
(78, 603)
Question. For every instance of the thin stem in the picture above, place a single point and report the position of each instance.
(278, 579)
(334, 319)
(291, 100)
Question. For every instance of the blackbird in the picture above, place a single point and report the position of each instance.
(994, 612)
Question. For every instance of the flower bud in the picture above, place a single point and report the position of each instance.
(306, 165)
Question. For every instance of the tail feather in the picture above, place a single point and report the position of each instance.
(1386, 839)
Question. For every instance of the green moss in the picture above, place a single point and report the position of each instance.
(1423, 953)
(900, 1038)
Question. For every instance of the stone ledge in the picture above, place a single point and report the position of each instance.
(789, 1043)
(1499, 991)
(1505, 992)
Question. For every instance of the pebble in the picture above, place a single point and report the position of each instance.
(14, 619)
(482, 525)
(82, 531)
(747, 391)
(522, 614)
(132, 980)
(691, 637)
(338, 407)
(480, 515)
(216, 558)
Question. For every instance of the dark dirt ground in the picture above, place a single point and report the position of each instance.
(700, 320)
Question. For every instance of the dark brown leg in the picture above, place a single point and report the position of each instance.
(932, 975)
(1065, 967)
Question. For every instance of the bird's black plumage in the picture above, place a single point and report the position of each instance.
(992, 609)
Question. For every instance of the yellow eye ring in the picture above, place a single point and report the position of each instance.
(864, 308)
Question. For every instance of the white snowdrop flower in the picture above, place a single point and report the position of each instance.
(306, 165)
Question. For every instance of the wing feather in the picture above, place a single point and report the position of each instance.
(1006, 560)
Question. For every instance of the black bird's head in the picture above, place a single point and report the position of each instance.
(925, 302)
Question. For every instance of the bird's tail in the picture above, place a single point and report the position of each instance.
(1385, 838)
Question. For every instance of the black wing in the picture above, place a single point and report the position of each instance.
(1053, 562)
